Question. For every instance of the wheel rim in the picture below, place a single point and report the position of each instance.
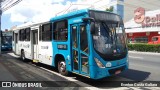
(62, 66)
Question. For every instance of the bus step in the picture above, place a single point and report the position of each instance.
(35, 61)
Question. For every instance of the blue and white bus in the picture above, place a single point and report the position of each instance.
(87, 42)
(6, 40)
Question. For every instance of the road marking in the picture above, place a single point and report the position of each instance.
(149, 67)
(146, 53)
(136, 57)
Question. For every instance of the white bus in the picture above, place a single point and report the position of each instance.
(27, 43)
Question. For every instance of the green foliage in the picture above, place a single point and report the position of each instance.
(145, 47)
(110, 9)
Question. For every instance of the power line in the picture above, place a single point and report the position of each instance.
(90, 5)
(10, 6)
(7, 3)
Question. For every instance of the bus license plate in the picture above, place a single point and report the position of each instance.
(117, 72)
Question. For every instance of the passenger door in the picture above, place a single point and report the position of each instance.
(80, 51)
(35, 44)
(16, 43)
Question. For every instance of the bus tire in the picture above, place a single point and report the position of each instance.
(62, 68)
(23, 56)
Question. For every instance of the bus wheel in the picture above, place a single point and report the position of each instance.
(62, 68)
(23, 56)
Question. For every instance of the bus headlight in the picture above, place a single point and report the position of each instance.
(99, 64)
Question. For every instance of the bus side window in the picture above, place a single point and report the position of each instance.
(22, 35)
(27, 34)
(40, 33)
(19, 35)
(46, 32)
(60, 32)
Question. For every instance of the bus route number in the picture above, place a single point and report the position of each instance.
(62, 46)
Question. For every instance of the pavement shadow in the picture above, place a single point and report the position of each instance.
(135, 75)
(128, 76)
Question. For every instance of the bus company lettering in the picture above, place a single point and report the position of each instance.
(146, 21)
(20, 45)
(26, 46)
(44, 47)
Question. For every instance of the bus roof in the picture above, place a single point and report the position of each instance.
(26, 25)
(70, 14)
(78, 12)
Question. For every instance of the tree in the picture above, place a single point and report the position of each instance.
(110, 9)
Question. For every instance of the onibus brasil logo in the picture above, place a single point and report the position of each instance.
(146, 21)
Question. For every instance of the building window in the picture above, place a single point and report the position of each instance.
(46, 32)
(155, 39)
(141, 39)
(60, 32)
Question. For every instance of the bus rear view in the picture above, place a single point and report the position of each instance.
(109, 49)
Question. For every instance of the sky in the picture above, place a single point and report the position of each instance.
(40, 10)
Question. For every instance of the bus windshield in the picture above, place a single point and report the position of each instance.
(109, 40)
(6, 40)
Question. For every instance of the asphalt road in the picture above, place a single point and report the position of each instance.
(146, 63)
(143, 67)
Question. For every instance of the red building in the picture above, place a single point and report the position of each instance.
(143, 26)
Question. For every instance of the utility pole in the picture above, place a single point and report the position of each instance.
(7, 6)
(0, 24)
